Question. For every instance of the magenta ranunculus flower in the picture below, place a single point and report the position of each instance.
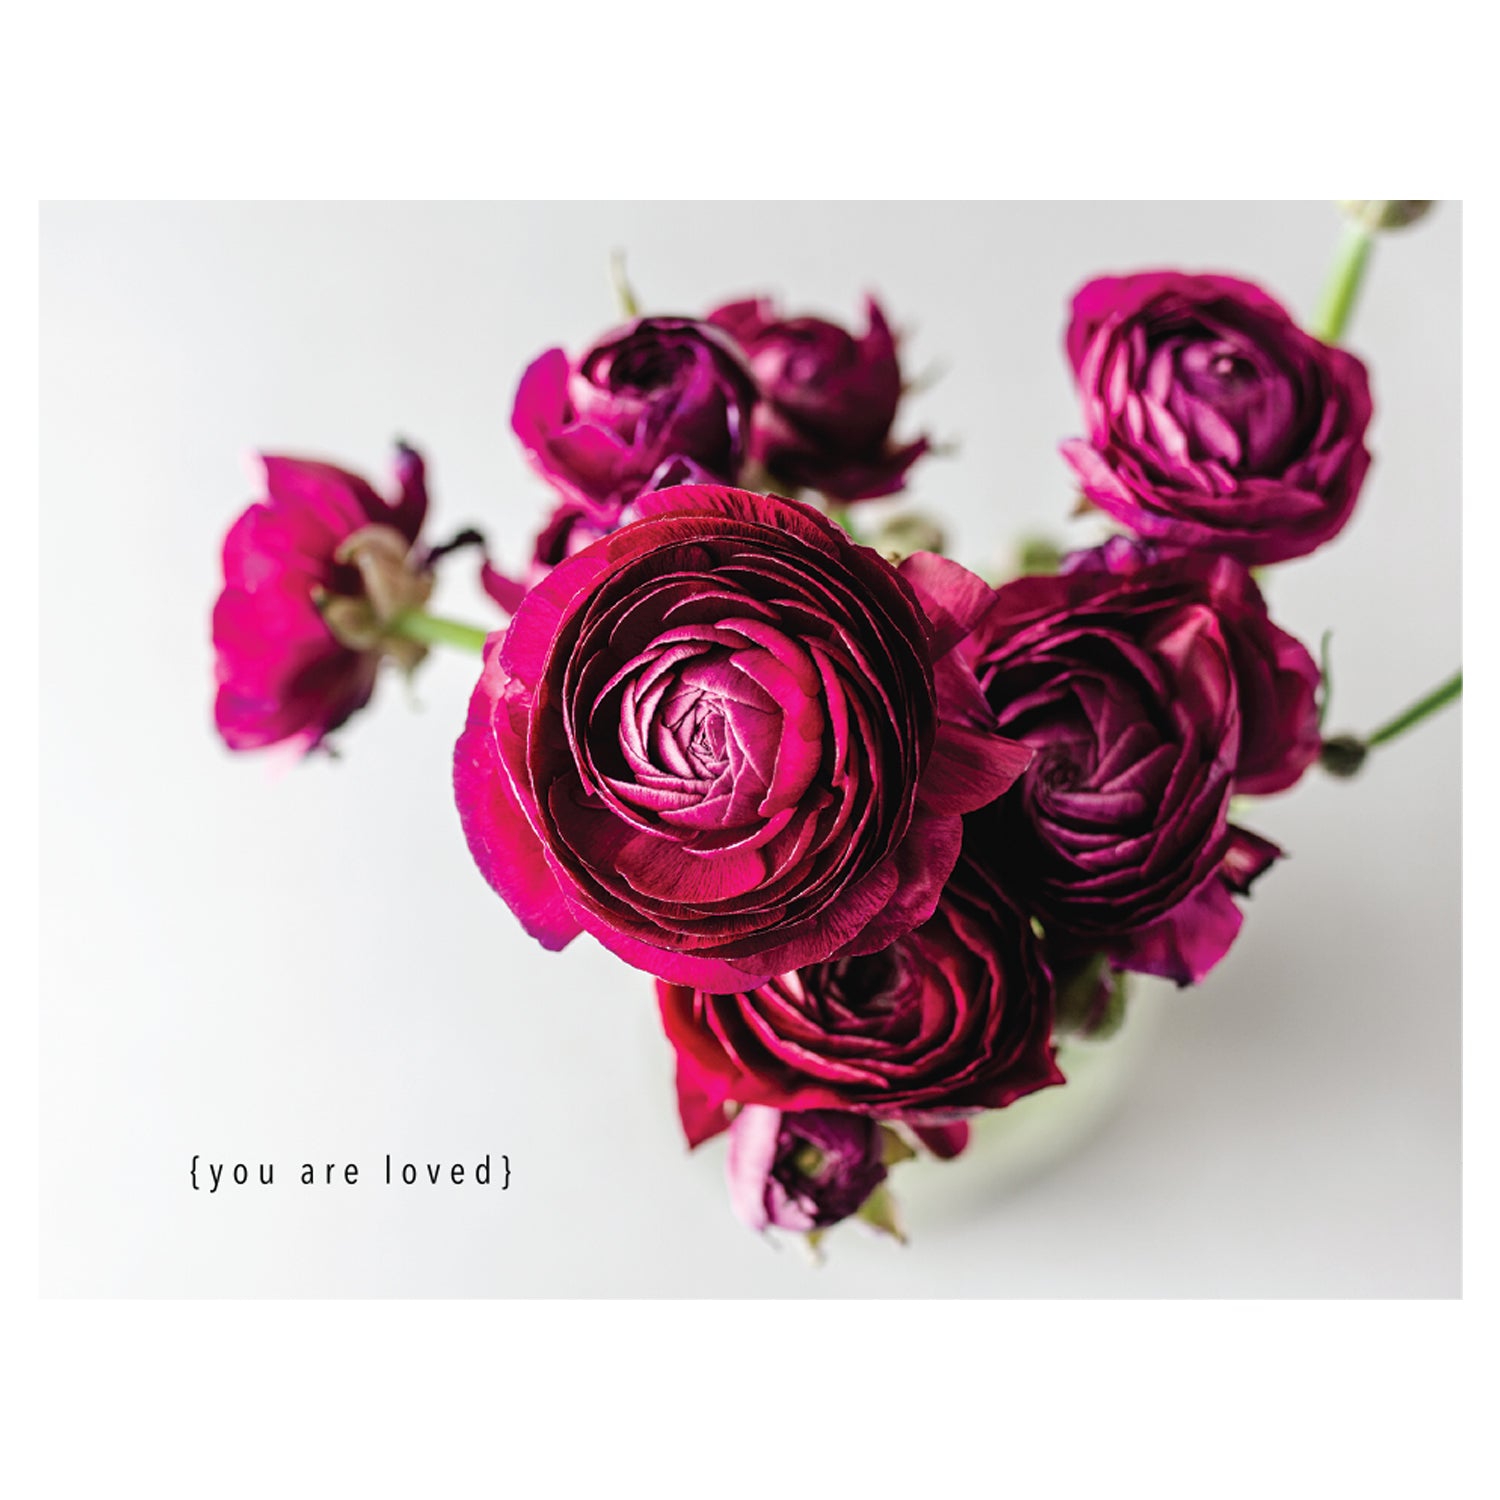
(313, 574)
(659, 402)
(1152, 687)
(1214, 421)
(728, 742)
(828, 400)
(954, 1018)
(801, 1171)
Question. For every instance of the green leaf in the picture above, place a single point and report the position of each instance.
(894, 1148)
(879, 1211)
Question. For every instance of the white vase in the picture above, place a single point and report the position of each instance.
(1035, 1134)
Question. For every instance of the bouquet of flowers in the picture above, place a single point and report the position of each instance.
(883, 831)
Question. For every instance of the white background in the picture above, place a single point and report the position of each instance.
(291, 964)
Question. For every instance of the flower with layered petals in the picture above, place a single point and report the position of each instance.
(828, 400)
(728, 742)
(314, 573)
(954, 1018)
(659, 402)
(1213, 420)
(1152, 687)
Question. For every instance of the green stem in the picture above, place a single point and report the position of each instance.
(1419, 710)
(433, 630)
(1342, 286)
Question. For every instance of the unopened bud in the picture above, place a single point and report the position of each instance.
(1343, 755)
(1383, 213)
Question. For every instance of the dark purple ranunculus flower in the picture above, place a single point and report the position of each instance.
(1151, 689)
(659, 402)
(314, 572)
(1276, 678)
(802, 1171)
(954, 1018)
(1214, 421)
(828, 400)
(729, 742)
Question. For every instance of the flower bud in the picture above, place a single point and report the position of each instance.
(1376, 213)
(1343, 755)
(804, 1170)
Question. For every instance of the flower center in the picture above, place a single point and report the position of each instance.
(852, 991)
(1230, 368)
(808, 1162)
(1058, 772)
(646, 367)
(696, 721)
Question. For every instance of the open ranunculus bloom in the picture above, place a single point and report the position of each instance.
(1214, 421)
(713, 740)
(953, 1018)
(313, 572)
(1152, 686)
